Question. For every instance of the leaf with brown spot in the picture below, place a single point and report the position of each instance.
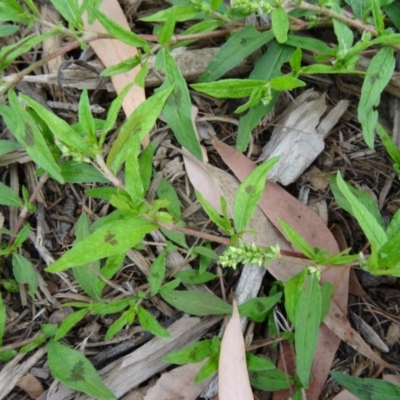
(114, 237)
(75, 371)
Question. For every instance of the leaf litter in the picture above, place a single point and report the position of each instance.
(213, 182)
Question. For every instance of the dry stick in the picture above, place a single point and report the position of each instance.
(24, 212)
(356, 23)
(61, 51)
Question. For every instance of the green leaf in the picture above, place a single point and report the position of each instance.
(178, 109)
(7, 146)
(205, 251)
(267, 66)
(394, 224)
(175, 236)
(69, 322)
(7, 355)
(257, 308)
(308, 43)
(270, 380)
(240, 45)
(75, 371)
(119, 324)
(202, 26)
(85, 115)
(157, 274)
(178, 13)
(146, 165)
(379, 17)
(134, 185)
(80, 172)
(361, 8)
(124, 66)
(208, 369)
(8, 30)
(140, 79)
(296, 239)
(230, 88)
(280, 24)
(390, 146)
(308, 319)
(367, 201)
(213, 213)
(393, 12)
(343, 33)
(327, 69)
(292, 290)
(249, 194)
(389, 253)
(139, 123)
(149, 323)
(197, 303)
(70, 11)
(379, 72)
(60, 128)
(165, 31)
(366, 388)
(191, 354)
(9, 53)
(166, 191)
(25, 273)
(112, 114)
(256, 363)
(3, 317)
(11, 10)
(295, 60)
(22, 235)
(286, 83)
(371, 228)
(111, 267)
(194, 277)
(120, 33)
(112, 307)
(28, 134)
(84, 275)
(8, 197)
(111, 239)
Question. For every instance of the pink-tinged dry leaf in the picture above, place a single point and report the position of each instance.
(111, 52)
(178, 384)
(234, 382)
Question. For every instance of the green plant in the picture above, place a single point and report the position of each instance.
(77, 153)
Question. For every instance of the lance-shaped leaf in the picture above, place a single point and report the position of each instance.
(75, 371)
(379, 72)
(178, 109)
(249, 194)
(240, 45)
(113, 238)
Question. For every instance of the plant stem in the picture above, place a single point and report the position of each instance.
(107, 173)
(356, 23)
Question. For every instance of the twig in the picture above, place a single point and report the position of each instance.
(25, 212)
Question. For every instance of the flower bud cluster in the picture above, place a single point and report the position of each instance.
(248, 254)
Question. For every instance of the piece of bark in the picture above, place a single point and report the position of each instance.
(15, 369)
(298, 137)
